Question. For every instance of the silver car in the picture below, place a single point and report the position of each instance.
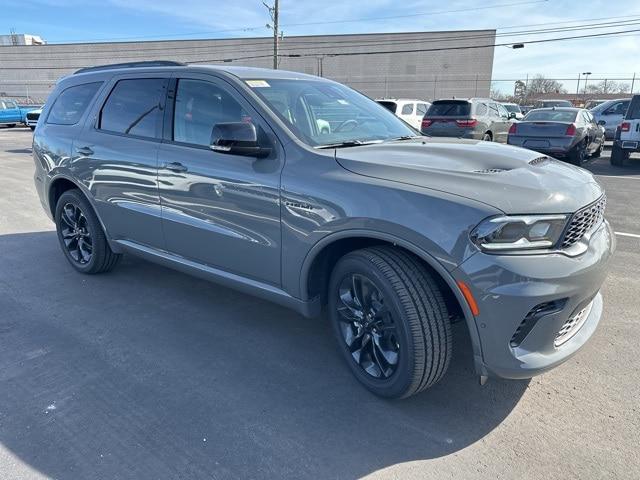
(224, 172)
(568, 133)
(610, 114)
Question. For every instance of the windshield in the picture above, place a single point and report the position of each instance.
(512, 108)
(449, 109)
(550, 116)
(322, 113)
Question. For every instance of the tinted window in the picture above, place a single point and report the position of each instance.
(619, 108)
(550, 116)
(512, 108)
(449, 109)
(199, 106)
(634, 109)
(72, 103)
(133, 107)
(422, 108)
(407, 109)
(391, 106)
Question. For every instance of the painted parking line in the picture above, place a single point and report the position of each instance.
(632, 235)
(617, 176)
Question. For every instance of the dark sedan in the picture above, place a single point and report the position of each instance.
(570, 133)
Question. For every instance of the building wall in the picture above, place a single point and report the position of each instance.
(31, 71)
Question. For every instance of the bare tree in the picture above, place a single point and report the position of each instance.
(607, 86)
(541, 84)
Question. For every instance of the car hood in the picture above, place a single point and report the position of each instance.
(514, 180)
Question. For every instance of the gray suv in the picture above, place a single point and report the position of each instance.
(226, 173)
(478, 118)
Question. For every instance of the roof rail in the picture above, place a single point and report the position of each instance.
(113, 66)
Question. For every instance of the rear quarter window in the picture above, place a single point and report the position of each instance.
(70, 105)
(391, 106)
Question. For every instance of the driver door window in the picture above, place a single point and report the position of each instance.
(199, 106)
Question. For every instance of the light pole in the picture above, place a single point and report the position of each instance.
(586, 78)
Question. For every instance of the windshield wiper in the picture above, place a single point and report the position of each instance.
(405, 137)
(349, 143)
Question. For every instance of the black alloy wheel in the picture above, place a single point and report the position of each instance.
(81, 236)
(390, 321)
(76, 234)
(368, 328)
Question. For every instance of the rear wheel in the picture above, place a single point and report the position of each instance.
(11, 125)
(618, 156)
(487, 137)
(579, 154)
(32, 127)
(391, 322)
(598, 152)
(81, 236)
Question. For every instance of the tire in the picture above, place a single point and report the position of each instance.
(70, 227)
(487, 137)
(11, 125)
(598, 152)
(411, 321)
(32, 127)
(578, 155)
(618, 156)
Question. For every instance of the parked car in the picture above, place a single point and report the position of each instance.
(31, 118)
(11, 113)
(570, 133)
(627, 137)
(411, 111)
(514, 110)
(398, 235)
(593, 103)
(552, 103)
(610, 114)
(476, 118)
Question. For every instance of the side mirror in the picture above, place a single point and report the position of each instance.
(512, 115)
(602, 122)
(237, 138)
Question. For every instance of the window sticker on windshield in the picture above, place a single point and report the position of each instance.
(258, 84)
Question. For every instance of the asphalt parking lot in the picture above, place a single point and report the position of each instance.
(146, 373)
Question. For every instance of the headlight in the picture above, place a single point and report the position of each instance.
(519, 232)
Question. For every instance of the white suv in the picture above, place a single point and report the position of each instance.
(411, 111)
(627, 134)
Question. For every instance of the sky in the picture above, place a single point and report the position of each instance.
(64, 21)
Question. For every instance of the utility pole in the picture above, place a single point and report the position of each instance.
(274, 12)
(633, 81)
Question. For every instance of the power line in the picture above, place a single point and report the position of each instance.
(376, 52)
(364, 43)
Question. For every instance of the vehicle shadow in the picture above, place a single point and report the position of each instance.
(148, 373)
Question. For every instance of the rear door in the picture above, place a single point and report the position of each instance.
(443, 117)
(219, 209)
(408, 113)
(119, 147)
(500, 122)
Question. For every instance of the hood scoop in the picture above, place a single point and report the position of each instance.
(492, 170)
(539, 161)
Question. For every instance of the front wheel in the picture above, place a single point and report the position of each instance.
(81, 236)
(391, 322)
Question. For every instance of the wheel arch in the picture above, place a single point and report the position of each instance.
(320, 260)
(62, 183)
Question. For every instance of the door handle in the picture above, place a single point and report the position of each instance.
(86, 151)
(176, 167)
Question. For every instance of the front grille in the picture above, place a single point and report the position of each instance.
(573, 324)
(33, 116)
(584, 221)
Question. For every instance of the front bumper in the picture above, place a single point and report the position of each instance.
(508, 287)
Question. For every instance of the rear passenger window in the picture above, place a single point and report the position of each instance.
(481, 109)
(422, 108)
(68, 108)
(407, 109)
(133, 107)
